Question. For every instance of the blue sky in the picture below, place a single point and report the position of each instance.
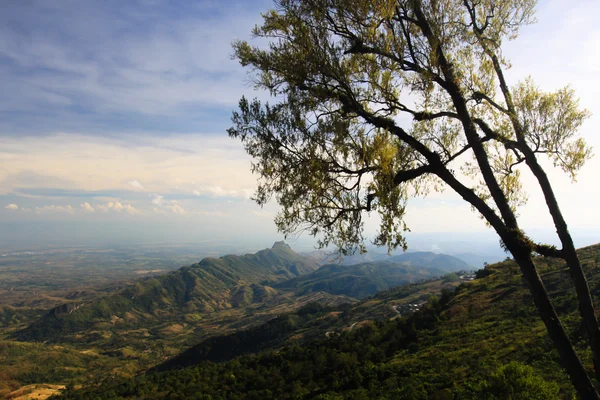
(113, 115)
(113, 66)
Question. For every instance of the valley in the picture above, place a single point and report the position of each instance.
(90, 329)
(36, 280)
(410, 320)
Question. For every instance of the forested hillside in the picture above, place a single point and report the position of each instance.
(443, 262)
(359, 280)
(210, 285)
(484, 340)
(123, 329)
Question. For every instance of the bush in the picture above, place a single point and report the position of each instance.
(517, 381)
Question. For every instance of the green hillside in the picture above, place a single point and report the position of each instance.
(310, 322)
(359, 280)
(211, 285)
(127, 330)
(17, 315)
(482, 341)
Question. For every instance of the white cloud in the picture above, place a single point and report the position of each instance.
(158, 200)
(12, 206)
(218, 191)
(148, 84)
(213, 214)
(171, 205)
(117, 206)
(135, 184)
(177, 209)
(54, 209)
(131, 209)
(94, 164)
(123, 73)
(87, 207)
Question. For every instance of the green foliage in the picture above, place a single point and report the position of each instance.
(551, 122)
(516, 381)
(333, 147)
(269, 335)
(461, 345)
(341, 72)
(349, 364)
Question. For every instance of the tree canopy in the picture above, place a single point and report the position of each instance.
(379, 101)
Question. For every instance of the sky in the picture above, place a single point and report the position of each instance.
(113, 118)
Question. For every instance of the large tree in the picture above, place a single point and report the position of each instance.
(377, 101)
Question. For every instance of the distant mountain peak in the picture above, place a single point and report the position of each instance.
(281, 245)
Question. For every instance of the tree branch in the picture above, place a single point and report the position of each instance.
(548, 251)
(478, 96)
(408, 175)
(460, 105)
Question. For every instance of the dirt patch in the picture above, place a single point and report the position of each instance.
(172, 329)
(37, 391)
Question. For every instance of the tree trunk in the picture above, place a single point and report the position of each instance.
(508, 229)
(586, 304)
(522, 254)
(569, 358)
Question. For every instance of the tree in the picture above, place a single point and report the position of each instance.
(349, 75)
(516, 381)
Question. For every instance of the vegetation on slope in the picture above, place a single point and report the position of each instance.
(359, 280)
(210, 285)
(482, 341)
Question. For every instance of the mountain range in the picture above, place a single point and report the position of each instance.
(251, 282)
(462, 261)
(359, 280)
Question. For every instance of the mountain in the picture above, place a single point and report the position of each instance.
(478, 261)
(359, 280)
(484, 340)
(427, 259)
(212, 284)
(424, 259)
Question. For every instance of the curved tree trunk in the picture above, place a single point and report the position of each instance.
(569, 358)
(586, 304)
(522, 254)
(506, 226)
